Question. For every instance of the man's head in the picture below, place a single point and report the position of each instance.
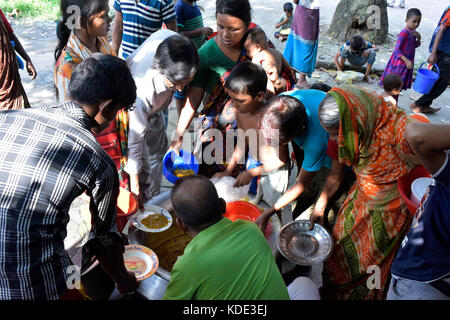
(177, 59)
(256, 41)
(357, 43)
(284, 120)
(196, 203)
(288, 8)
(103, 85)
(246, 85)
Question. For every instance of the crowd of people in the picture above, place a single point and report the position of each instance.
(109, 131)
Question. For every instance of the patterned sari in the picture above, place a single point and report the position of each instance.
(113, 139)
(373, 219)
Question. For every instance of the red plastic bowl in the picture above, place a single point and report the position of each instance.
(404, 186)
(127, 205)
(245, 211)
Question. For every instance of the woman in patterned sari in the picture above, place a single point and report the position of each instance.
(218, 56)
(78, 44)
(373, 219)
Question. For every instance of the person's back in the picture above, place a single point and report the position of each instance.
(38, 181)
(227, 261)
(224, 260)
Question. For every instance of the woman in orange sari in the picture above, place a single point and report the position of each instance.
(373, 219)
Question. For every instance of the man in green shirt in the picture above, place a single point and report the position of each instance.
(225, 260)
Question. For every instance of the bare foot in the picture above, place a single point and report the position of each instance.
(428, 110)
(414, 107)
(368, 79)
(302, 85)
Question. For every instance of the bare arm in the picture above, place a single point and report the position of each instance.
(196, 32)
(331, 186)
(194, 98)
(172, 25)
(117, 31)
(429, 142)
(303, 181)
(21, 51)
(339, 64)
(111, 260)
(437, 40)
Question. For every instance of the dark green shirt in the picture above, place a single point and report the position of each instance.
(227, 261)
(213, 64)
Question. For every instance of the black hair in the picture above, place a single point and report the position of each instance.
(320, 86)
(285, 117)
(196, 202)
(102, 77)
(392, 81)
(357, 42)
(257, 36)
(247, 78)
(177, 58)
(87, 8)
(237, 8)
(413, 12)
(287, 6)
(328, 112)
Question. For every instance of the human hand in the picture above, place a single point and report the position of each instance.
(175, 145)
(264, 218)
(417, 35)
(31, 70)
(432, 58)
(128, 284)
(222, 174)
(317, 216)
(409, 64)
(243, 179)
(207, 31)
(376, 49)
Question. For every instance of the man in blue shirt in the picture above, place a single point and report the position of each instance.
(135, 21)
(421, 270)
(440, 55)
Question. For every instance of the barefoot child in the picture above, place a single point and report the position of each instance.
(285, 22)
(358, 52)
(402, 59)
(392, 85)
(246, 86)
(270, 59)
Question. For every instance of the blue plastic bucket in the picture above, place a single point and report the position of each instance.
(184, 161)
(425, 79)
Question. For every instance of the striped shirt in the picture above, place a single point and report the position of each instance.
(141, 19)
(48, 157)
(190, 18)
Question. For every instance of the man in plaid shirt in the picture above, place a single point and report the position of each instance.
(48, 157)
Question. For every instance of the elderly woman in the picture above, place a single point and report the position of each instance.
(373, 219)
(218, 57)
(164, 63)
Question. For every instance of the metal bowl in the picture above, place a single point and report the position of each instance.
(301, 246)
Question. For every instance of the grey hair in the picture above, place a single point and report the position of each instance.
(329, 113)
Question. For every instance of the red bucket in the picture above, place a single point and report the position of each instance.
(245, 211)
(404, 186)
(127, 205)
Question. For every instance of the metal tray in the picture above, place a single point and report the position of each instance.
(301, 246)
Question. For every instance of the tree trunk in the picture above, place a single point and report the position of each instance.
(366, 17)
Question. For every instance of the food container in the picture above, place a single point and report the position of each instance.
(304, 247)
